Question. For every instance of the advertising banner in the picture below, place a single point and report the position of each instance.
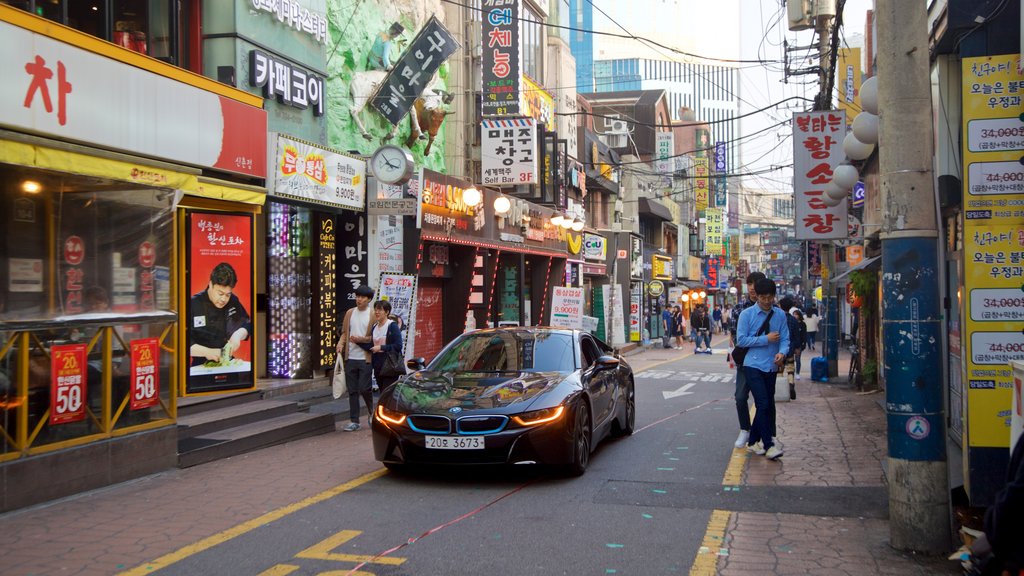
(993, 138)
(502, 57)
(567, 307)
(848, 82)
(701, 183)
(664, 150)
(636, 295)
(145, 373)
(400, 291)
(219, 271)
(713, 232)
(411, 74)
(68, 369)
(817, 150)
(304, 171)
(595, 247)
(508, 151)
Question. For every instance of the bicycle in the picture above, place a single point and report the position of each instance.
(855, 367)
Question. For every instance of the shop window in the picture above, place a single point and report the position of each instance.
(86, 265)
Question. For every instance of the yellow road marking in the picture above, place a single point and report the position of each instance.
(713, 545)
(248, 526)
(323, 551)
(279, 570)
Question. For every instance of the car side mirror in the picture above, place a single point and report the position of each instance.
(416, 363)
(605, 362)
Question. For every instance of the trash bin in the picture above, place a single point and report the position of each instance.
(819, 369)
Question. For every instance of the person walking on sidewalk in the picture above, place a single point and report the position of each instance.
(764, 331)
(354, 345)
(716, 318)
(387, 337)
(679, 326)
(667, 327)
(811, 320)
(742, 393)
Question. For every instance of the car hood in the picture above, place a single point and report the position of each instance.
(503, 393)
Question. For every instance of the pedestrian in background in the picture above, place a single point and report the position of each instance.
(702, 324)
(800, 336)
(811, 321)
(667, 327)
(679, 326)
(764, 331)
(354, 345)
(387, 337)
(742, 394)
(716, 319)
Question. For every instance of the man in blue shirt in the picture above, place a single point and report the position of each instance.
(765, 355)
(668, 327)
(742, 393)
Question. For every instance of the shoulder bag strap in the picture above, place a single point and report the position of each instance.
(764, 325)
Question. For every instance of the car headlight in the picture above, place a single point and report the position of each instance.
(536, 417)
(389, 416)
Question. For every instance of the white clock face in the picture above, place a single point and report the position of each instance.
(391, 164)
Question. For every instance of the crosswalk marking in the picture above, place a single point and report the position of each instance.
(686, 376)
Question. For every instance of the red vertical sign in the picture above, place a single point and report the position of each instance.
(145, 373)
(67, 383)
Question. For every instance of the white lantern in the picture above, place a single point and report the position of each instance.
(855, 149)
(577, 224)
(832, 202)
(845, 176)
(869, 95)
(865, 128)
(472, 197)
(556, 220)
(502, 205)
(835, 191)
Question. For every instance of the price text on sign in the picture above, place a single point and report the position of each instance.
(995, 178)
(996, 347)
(68, 370)
(145, 373)
(997, 305)
(995, 135)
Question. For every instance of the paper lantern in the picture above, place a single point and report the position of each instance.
(855, 149)
(834, 191)
(865, 128)
(845, 176)
(869, 95)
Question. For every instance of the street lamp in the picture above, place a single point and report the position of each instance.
(566, 223)
(472, 197)
(577, 224)
(556, 220)
(502, 205)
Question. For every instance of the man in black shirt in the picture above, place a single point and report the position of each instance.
(218, 321)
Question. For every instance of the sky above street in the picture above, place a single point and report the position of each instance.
(739, 31)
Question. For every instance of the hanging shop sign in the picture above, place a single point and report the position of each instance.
(636, 295)
(537, 103)
(595, 247)
(701, 183)
(68, 369)
(993, 238)
(848, 82)
(712, 268)
(411, 74)
(219, 269)
(325, 287)
(656, 288)
(293, 14)
(713, 232)
(636, 257)
(60, 90)
(286, 83)
(508, 151)
(664, 150)
(304, 171)
(502, 57)
(817, 150)
(661, 267)
(145, 373)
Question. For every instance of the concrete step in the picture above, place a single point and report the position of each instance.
(196, 404)
(209, 421)
(252, 436)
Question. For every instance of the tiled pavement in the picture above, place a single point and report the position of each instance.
(834, 437)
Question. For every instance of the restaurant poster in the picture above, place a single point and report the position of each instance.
(219, 272)
(145, 373)
(567, 307)
(68, 369)
(400, 291)
(993, 139)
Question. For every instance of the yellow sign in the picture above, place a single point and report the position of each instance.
(713, 232)
(575, 242)
(537, 103)
(993, 139)
(700, 182)
(854, 255)
(848, 81)
(661, 268)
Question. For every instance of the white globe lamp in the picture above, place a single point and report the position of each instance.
(832, 202)
(502, 205)
(556, 220)
(845, 176)
(835, 191)
(855, 149)
(865, 128)
(869, 95)
(472, 197)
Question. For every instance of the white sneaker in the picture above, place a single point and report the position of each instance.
(773, 453)
(756, 448)
(741, 440)
(797, 376)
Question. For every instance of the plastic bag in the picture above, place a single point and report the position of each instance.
(338, 385)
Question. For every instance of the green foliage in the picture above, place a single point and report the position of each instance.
(865, 285)
(869, 373)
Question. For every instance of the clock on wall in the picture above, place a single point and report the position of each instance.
(392, 164)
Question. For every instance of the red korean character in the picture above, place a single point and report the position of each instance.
(820, 223)
(820, 174)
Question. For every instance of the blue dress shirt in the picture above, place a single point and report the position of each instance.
(761, 353)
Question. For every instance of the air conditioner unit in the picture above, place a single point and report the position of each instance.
(617, 127)
(614, 140)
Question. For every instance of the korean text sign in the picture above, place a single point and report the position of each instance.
(68, 371)
(817, 150)
(567, 307)
(412, 73)
(303, 171)
(701, 182)
(509, 151)
(145, 373)
(713, 231)
(993, 237)
(502, 56)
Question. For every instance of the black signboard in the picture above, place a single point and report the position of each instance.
(412, 73)
(501, 57)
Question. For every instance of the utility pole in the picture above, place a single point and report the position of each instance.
(919, 516)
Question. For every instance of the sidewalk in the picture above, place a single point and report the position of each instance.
(834, 438)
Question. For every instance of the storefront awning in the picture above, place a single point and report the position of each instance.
(862, 266)
(651, 207)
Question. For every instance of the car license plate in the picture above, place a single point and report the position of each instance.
(454, 442)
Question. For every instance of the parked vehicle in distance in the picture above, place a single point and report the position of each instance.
(532, 395)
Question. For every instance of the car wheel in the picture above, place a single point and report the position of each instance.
(580, 441)
(629, 418)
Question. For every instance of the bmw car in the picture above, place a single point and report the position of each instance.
(507, 396)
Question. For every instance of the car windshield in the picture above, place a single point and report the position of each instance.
(508, 351)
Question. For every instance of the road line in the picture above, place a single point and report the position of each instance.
(248, 526)
(713, 545)
(669, 361)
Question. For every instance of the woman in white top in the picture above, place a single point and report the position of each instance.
(811, 320)
(387, 337)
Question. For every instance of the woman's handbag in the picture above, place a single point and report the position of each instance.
(393, 366)
(339, 387)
